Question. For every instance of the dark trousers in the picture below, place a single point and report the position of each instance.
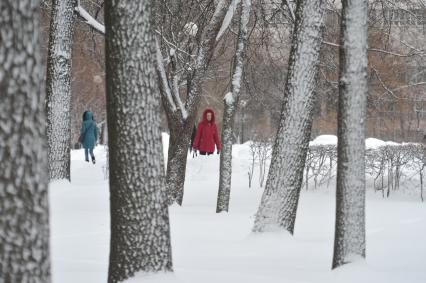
(205, 153)
(86, 153)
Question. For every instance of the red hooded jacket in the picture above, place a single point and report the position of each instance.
(207, 136)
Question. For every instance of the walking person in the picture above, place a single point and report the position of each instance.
(88, 135)
(207, 135)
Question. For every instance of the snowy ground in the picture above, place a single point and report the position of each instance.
(221, 248)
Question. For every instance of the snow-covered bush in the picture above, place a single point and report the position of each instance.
(320, 165)
(260, 154)
(388, 165)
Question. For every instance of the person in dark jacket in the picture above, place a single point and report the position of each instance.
(89, 135)
(207, 135)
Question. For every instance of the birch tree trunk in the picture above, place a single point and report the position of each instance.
(58, 88)
(230, 103)
(140, 233)
(279, 201)
(349, 242)
(24, 221)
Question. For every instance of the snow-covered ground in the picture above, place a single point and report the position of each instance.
(208, 247)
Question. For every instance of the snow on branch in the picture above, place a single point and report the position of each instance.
(229, 98)
(228, 18)
(177, 97)
(90, 20)
(175, 84)
(164, 85)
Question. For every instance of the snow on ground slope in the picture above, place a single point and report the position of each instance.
(208, 247)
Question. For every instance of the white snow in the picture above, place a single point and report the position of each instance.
(190, 29)
(211, 248)
(324, 140)
(172, 52)
(228, 98)
(369, 143)
(374, 143)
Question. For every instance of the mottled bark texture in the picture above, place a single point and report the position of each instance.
(180, 126)
(58, 88)
(280, 198)
(349, 242)
(140, 233)
(177, 158)
(24, 215)
(230, 105)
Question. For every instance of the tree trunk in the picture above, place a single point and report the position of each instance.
(58, 88)
(140, 233)
(279, 201)
(24, 221)
(226, 157)
(230, 103)
(176, 162)
(349, 242)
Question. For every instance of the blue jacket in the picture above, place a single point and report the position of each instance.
(89, 130)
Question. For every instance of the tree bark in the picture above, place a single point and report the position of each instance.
(58, 88)
(349, 242)
(279, 201)
(24, 221)
(176, 162)
(230, 103)
(140, 232)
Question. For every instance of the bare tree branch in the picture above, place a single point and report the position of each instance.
(97, 26)
(420, 52)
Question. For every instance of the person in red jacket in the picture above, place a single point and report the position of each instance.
(207, 136)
